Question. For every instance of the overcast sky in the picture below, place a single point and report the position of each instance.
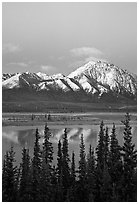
(59, 37)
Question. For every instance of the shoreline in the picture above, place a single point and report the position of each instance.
(57, 119)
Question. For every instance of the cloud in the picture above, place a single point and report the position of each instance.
(94, 59)
(83, 55)
(86, 51)
(10, 48)
(21, 64)
(47, 67)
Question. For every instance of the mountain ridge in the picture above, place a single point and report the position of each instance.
(98, 79)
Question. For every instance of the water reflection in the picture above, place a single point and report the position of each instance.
(25, 136)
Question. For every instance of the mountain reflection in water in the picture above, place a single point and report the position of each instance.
(24, 136)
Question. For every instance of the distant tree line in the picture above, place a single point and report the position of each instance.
(106, 174)
(46, 116)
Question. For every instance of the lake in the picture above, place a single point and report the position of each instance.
(20, 136)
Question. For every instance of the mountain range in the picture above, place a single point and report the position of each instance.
(93, 81)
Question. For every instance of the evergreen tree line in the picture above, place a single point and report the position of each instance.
(108, 173)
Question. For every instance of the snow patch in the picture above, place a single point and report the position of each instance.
(11, 82)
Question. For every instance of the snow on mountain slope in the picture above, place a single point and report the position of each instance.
(11, 82)
(52, 84)
(43, 76)
(57, 81)
(94, 77)
(86, 85)
(81, 69)
(73, 86)
(31, 78)
(105, 76)
(61, 85)
(42, 86)
(20, 80)
(7, 76)
(57, 76)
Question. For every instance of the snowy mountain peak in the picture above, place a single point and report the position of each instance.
(103, 77)
(81, 69)
(95, 78)
(58, 76)
(43, 76)
(27, 72)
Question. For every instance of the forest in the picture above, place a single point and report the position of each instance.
(107, 173)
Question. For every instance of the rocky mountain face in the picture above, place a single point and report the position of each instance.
(7, 76)
(97, 79)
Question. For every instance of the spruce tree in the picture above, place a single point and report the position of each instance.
(100, 147)
(59, 190)
(100, 161)
(65, 164)
(91, 174)
(106, 146)
(106, 187)
(73, 173)
(25, 185)
(82, 193)
(4, 178)
(54, 184)
(90, 164)
(130, 162)
(36, 169)
(47, 146)
(9, 176)
(115, 164)
(65, 160)
(46, 170)
(71, 194)
(45, 181)
(59, 161)
(82, 161)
